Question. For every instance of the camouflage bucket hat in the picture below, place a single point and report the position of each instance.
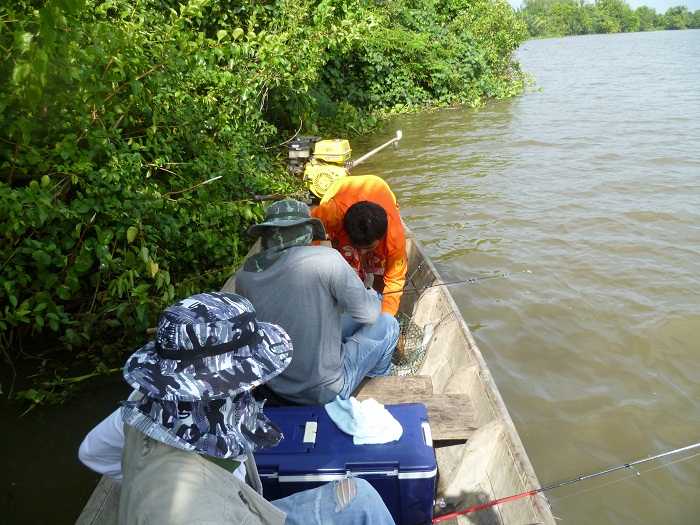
(286, 213)
(209, 346)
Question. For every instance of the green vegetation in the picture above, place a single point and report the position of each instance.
(556, 18)
(135, 134)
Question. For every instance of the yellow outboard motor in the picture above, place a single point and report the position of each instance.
(321, 176)
(322, 162)
(328, 164)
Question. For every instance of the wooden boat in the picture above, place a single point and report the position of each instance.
(479, 453)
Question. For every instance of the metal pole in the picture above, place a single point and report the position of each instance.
(367, 155)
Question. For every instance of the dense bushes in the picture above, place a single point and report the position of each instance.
(136, 132)
(423, 53)
(554, 18)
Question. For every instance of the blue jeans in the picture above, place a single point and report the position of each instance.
(348, 502)
(368, 349)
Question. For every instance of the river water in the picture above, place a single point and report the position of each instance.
(593, 183)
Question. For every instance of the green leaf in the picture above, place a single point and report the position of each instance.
(152, 267)
(63, 292)
(84, 261)
(131, 234)
(20, 72)
(220, 35)
(41, 257)
(23, 41)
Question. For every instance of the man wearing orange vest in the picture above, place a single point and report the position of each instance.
(361, 217)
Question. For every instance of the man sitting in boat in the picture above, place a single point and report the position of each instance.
(362, 220)
(189, 437)
(304, 289)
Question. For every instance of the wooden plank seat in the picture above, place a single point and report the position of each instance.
(451, 416)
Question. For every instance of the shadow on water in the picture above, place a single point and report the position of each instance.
(43, 481)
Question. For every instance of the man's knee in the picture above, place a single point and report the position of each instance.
(355, 489)
(392, 327)
(345, 492)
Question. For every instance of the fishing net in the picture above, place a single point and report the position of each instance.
(410, 348)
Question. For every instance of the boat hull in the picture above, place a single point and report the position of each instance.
(479, 454)
(492, 463)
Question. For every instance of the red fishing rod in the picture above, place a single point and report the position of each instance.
(550, 487)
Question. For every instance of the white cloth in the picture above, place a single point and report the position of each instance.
(367, 421)
(101, 450)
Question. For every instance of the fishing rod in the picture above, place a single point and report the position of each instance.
(470, 280)
(550, 487)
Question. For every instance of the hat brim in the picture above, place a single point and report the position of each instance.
(319, 232)
(216, 377)
(187, 429)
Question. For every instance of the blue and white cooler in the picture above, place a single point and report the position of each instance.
(315, 451)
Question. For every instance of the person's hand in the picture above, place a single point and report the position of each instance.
(379, 296)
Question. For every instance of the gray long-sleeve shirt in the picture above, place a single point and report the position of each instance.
(304, 292)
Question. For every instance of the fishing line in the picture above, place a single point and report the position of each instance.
(568, 482)
(470, 280)
(665, 465)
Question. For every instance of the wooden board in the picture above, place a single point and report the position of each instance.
(451, 416)
(383, 385)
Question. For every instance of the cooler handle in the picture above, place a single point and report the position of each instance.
(310, 432)
(427, 434)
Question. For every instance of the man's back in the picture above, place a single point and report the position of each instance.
(388, 258)
(304, 292)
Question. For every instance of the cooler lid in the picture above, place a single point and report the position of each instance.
(332, 452)
(299, 433)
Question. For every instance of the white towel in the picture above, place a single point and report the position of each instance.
(368, 422)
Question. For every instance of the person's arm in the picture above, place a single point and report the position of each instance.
(394, 282)
(329, 215)
(395, 268)
(101, 450)
(352, 296)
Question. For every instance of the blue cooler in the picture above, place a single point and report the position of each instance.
(315, 451)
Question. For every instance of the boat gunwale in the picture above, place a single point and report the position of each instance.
(516, 448)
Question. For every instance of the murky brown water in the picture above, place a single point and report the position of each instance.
(594, 185)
